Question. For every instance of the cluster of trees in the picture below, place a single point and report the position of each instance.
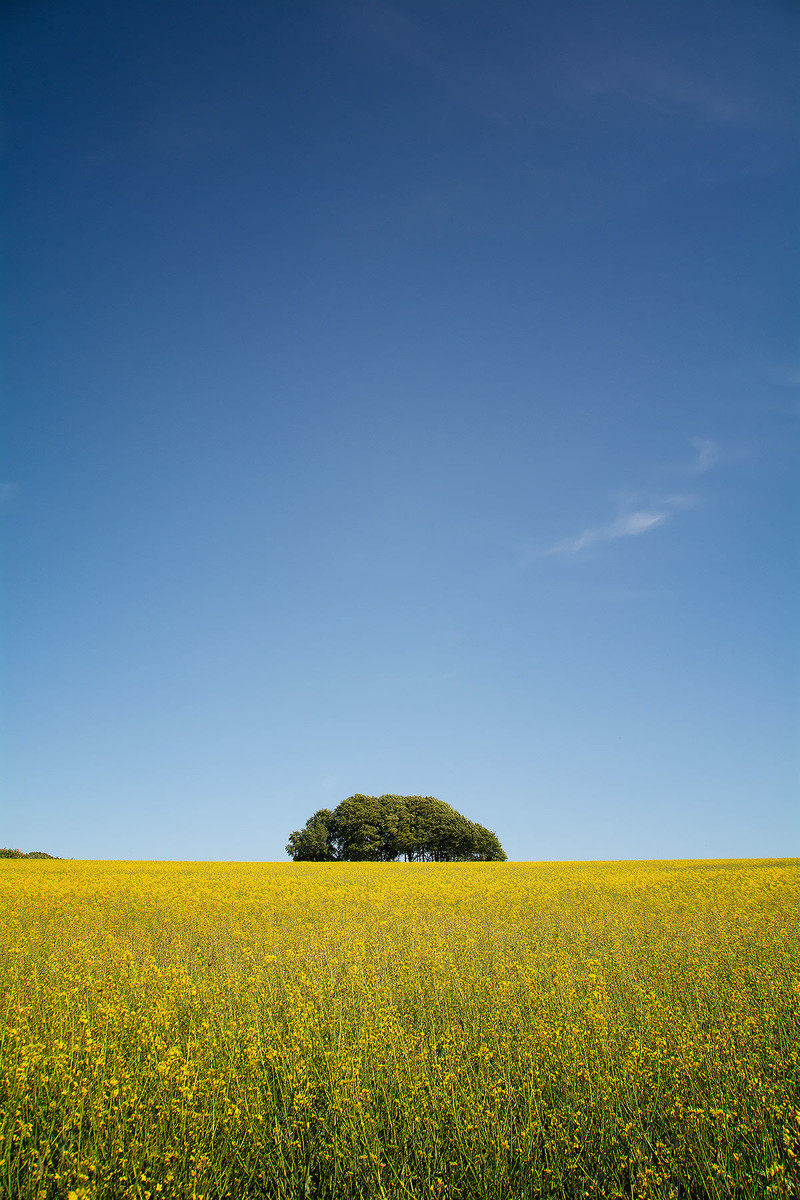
(385, 828)
(5, 853)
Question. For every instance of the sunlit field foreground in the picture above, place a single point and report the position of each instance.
(358, 1030)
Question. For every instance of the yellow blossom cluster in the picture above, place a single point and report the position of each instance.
(195, 1031)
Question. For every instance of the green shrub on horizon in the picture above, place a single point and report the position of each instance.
(6, 853)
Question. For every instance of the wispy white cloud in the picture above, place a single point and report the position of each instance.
(707, 452)
(661, 87)
(639, 516)
(631, 523)
(680, 500)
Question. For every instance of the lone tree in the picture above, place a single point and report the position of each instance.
(385, 828)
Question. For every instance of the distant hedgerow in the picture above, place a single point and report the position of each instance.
(6, 853)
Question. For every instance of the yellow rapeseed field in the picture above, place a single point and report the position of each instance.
(358, 1030)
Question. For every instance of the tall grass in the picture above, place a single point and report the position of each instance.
(313, 1030)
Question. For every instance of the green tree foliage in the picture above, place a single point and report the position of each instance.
(313, 843)
(385, 828)
(6, 853)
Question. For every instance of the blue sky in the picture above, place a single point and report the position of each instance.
(400, 397)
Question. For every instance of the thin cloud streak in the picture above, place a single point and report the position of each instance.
(632, 522)
(626, 525)
(707, 454)
(666, 90)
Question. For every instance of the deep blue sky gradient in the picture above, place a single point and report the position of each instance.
(401, 397)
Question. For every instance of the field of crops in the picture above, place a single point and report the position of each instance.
(358, 1030)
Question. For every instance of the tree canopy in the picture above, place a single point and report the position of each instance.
(385, 828)
(7, 853)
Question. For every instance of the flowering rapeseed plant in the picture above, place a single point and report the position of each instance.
(199, 1030)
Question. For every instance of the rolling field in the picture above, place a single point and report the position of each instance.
(358, 1030)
